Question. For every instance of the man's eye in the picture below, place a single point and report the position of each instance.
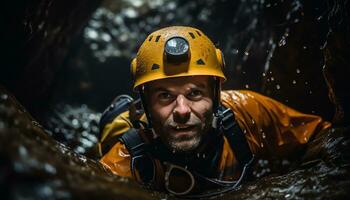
(164, 95)
(195, 94)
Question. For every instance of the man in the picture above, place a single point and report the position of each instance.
(193, 137)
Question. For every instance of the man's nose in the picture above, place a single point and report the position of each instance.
(182, 110)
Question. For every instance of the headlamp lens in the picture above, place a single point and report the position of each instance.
(176, 46)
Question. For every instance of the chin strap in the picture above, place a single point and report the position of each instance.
(144, 106)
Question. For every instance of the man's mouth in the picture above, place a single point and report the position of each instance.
(183, 128)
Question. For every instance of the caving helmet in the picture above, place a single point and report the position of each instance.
(174, 52)
(177, 51)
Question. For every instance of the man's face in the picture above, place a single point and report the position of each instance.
(181, 110)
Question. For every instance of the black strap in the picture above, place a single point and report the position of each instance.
(133, 142)
(235, 136)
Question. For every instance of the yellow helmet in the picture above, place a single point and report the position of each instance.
(176, 51)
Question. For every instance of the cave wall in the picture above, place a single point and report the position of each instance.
(36, 36)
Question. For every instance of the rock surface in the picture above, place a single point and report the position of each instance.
(35, 166)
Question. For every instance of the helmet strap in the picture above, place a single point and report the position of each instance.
(216, 101)
(144, 105)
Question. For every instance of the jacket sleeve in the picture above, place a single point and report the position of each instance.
(114, 154)
(272, 129)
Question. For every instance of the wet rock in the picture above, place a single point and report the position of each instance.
(76, 127)
(337, 61)
(35, 166)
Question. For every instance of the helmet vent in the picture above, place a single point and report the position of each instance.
(157, 38)
(155, 66)
(192, 35)
(150, 38)
(199, 33)
(200, 62)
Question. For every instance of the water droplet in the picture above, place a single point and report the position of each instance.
(92, 34)
(235, 51)
(278, 87)
(246, 53)
(298, 71)
(272, 78)
(294, 82)
(264, 74)
(130, 13)
(2, 125)
(263, 135)
(246, 86)
(4, 97)
(262, 145)
(310, 92)
(49, 168)
(304, 47)
(75, 122)
(203, 155)
(106, 37)
(35, 123)
(22, 151)
(282, 42)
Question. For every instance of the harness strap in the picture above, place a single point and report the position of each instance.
(145, 165)
(133, 142)
(235, 136)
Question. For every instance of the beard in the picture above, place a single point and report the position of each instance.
(184, 139)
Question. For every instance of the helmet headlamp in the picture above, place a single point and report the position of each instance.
(176, 50)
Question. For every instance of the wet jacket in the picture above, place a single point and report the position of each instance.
(272, 130)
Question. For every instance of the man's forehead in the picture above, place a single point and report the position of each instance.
(178, 82)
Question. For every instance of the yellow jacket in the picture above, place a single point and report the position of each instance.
(272, 130)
